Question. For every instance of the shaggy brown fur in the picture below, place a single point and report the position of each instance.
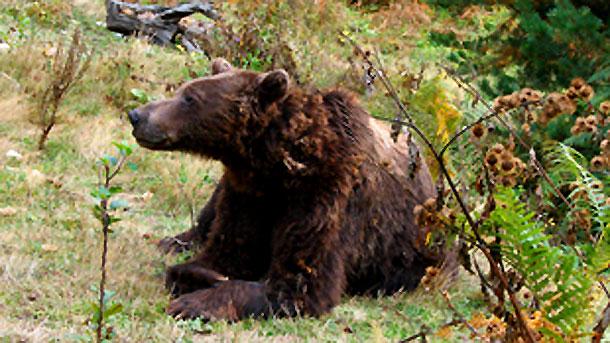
(315, 201)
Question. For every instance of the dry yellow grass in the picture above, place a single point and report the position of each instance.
(50, 242)
(50, 248)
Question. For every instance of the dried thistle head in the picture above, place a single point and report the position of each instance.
(491, 159)
(529, 95)
(604, 107)
(506, 155)
(506, 102)
(432, 271)
(591, 128)
(508, 181)
(586, 93)
(577, 83)
(598, 163)
(498, 148)
(572, 93)
(478, 130)
(591, 120)
(507, 165)
(496, 328)
(558, 103)
(580, 125)
(597, 185)
(566, 105)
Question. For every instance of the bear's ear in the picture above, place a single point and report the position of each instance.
(272, 86)
(220, 65)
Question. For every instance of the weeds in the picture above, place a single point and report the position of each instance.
(108, 168)
(45, 253)
(63, 71)
(521, 254)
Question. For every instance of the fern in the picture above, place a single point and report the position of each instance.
(555, 275)
(567, 167)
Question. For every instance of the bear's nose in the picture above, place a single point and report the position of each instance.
(134, 117)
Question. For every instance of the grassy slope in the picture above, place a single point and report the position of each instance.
(49, 251)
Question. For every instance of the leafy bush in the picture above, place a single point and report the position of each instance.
(547, 221)
(539, 44)
(546, 242)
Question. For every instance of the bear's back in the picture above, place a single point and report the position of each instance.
(379, 232)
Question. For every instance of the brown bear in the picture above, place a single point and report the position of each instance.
(316, 199)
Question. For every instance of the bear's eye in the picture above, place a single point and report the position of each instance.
(187, 99)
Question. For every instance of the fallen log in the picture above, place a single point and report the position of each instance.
(161, 24)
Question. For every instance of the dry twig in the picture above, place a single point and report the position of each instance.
(494, 114)
(480, 243)
(66, 69)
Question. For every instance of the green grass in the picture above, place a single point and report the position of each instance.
(51, 245)
(50, 255)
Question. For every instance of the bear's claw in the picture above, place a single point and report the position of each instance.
(231, 300)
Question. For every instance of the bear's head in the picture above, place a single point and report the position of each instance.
(210, 115)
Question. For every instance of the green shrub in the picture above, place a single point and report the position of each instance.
(540, 44)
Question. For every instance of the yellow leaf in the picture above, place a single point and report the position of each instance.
(478, 320)
(445, 332)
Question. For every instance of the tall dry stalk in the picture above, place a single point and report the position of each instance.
(65, 69)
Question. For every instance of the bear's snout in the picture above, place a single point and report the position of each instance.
(134, 117)
(146, 132)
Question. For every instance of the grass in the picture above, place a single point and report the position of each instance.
(49, 253)
(51, 243)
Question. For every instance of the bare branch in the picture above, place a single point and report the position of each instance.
(527, 333)
(474, 92)
(160, 23)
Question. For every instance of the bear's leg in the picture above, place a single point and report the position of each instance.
(232, 251)
(306, 274)
(237, 246)
(197, 234)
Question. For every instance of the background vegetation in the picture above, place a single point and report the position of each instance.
(529, 53)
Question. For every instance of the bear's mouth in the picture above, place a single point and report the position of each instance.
(155, 143)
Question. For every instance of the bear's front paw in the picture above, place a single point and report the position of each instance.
(231, 300)
(189, 277)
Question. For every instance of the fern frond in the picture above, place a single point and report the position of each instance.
(567, 166)
(556, 276)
